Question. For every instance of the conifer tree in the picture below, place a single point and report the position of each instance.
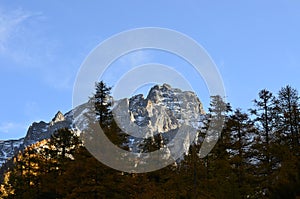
(102, 103)
(219, 170)
(255, 157)
(242, 131)
(23, 180)
(289, 111)
(287, 181)
(266, 122)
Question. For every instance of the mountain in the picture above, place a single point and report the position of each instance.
(165, 110)
(42, 130)
(36, 132)
(8, 148)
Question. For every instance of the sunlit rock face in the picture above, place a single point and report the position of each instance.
(42, 130)
(164, 111)
(167, 111)
(36, 132)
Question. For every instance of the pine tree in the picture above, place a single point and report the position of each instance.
(23, 180)
(289, 111)
(287, 181)
(266, 122)
(61, 149)
(242, 131)
(219, 171)
(102, 103)
(37, 169)
(63, 144)
(255, 157)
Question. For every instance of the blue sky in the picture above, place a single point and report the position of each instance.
(255, 45)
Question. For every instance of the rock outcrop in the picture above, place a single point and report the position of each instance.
(164, 111)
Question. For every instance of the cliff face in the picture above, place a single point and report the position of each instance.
(165, 110)
(8, 148)
(37, 131)
(42, 130)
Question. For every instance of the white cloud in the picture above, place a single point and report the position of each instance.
(9, 25)
(25, 43)
(20, 37)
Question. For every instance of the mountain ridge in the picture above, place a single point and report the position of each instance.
(163, 110)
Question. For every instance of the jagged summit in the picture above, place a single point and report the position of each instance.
(164, 110)
(43, 130)
(58, 117)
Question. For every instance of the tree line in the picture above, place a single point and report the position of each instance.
(256, 156)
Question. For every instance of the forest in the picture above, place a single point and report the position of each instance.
(256, 156)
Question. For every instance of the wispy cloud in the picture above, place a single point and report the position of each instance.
(10, 23)
(25, 43)
(19, 30)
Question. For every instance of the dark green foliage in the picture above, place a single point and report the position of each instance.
(37, 169)
(153, 143)
(256, 156)
(289, 114)
(102, 103)
(242, 131)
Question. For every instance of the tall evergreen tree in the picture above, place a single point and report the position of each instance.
(289, 111)
(242, 131)
(218, 171)
(23, 180)
(37, 168)
(266, 122)
(287, 181)
(102, 103)
(255, 157)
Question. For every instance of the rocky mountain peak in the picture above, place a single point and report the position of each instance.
(58, 117)
(165, 110)
(43, 130)
(159, 91)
